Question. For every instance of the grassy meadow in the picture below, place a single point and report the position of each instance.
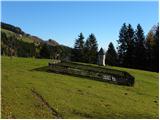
(73, 97)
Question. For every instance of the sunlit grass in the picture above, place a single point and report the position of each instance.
(74, 97)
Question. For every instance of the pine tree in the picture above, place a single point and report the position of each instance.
(122, 48)
(140, 51)
(129, 56)
(126, 46)
(91, 49)
(156, 50)
(79, 44)
(45, 52)
(111, 55)
(78, 51)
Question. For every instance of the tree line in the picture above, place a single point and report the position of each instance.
(134, 49)
(85, 51)
(137, 51)
(12, 46)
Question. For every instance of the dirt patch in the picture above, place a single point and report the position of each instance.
(51, 109)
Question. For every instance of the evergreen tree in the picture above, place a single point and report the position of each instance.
(156, 50)
(91, 49)
(129, 56)
(45, 52)
(140, 51)
(79, 44)
(122, 48)
(87, 51)
(126, 46)
(78, 51)
(111, 55)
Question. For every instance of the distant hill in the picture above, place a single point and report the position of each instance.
(52, 42)
(16, 42)
(12, 30)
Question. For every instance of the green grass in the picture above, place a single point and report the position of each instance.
(23, 38)
(73, 97)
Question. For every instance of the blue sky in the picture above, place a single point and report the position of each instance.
(63, 21)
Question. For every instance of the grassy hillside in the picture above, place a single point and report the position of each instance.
(29, 93)
(29, 38)
(24, 38)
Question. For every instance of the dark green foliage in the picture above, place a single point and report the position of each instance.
(111, 55)
(55, 52)
(129, 53)
(85, 51)
(140, 51)
(11, 28)
(79, 44)
(66, 53)
(136, 52)
(91, 49)
(45, 51)
(78, 51)
(156, 50)
(50, 52)
(126, 46)
(122, 48)
(25, 49)
(4, 42)
(11, 46)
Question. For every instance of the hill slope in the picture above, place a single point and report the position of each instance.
(30, 93)
(12, 30)
(15, 42)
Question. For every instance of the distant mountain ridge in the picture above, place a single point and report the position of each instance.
(21, 34)
(12, 28)
(16, 42)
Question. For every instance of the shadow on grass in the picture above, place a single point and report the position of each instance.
(42, 69)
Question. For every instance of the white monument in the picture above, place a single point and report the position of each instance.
(101, 57)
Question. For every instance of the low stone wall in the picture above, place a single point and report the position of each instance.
(97, 73)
